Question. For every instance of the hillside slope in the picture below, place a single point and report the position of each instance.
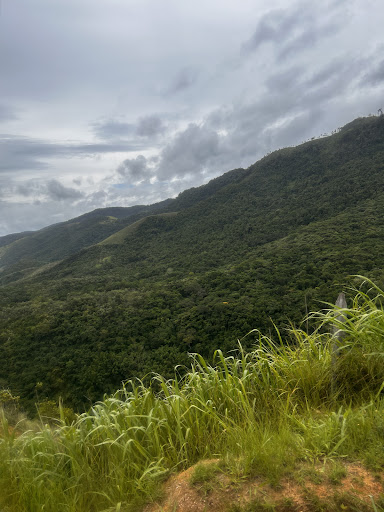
(283, 427)
(267, 242)
(24, 252)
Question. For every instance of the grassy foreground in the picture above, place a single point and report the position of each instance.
(291, 401)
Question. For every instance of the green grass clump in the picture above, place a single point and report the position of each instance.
(337, 473)
(204, 473)
(261, 413)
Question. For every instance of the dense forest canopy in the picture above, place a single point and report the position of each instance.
(123, 292)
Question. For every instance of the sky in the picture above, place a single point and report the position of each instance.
(124, 102)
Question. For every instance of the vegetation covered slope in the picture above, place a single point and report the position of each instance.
(286, 415)
(267, 242)
(22, 253)
(34, 249)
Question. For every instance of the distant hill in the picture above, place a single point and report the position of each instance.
(8, 239)
(23, 253)
(32, 249)
(120, 292)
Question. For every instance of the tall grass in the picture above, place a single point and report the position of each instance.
(260, 412)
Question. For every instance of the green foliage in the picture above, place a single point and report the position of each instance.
(204, 472)
(52, 412)
(271, 241)
(9, 405)
(337, 473)
(7, 399)
(260, 413)
(204, 476)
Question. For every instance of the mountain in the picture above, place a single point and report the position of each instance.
(22, 253)
(118, 293)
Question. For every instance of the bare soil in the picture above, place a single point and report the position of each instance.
(306, 491)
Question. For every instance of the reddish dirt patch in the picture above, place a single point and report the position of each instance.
(182, 496)
(293, 495)
(359, 483)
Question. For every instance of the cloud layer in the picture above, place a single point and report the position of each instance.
(136, 102)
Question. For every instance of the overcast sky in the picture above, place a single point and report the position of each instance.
(123, 102)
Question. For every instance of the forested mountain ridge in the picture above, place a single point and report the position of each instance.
(281, 179)
(198, 272)
(284, 191)
(22, 253)
(30, 250)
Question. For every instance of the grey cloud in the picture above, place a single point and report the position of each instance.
(94, 149)
(334, 68)
(113, 129)
(46, 53)
(23, 153)
(294, 107)
(29, 188)
(189, 153)
(192, 152)
(296, 129)
(307, 38)
(183, 80)
(59, 192)
(53, 190)
(291, 30)
(285, 80)
(343, 79)
(294, 90)
(273, 27)
(150, 126)
(7, 113)
(154, 159)
(134, 169)
(375, 76)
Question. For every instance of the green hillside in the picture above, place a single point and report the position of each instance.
(120, 237)
(293, 427)
(21, 254)
(270, 241)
